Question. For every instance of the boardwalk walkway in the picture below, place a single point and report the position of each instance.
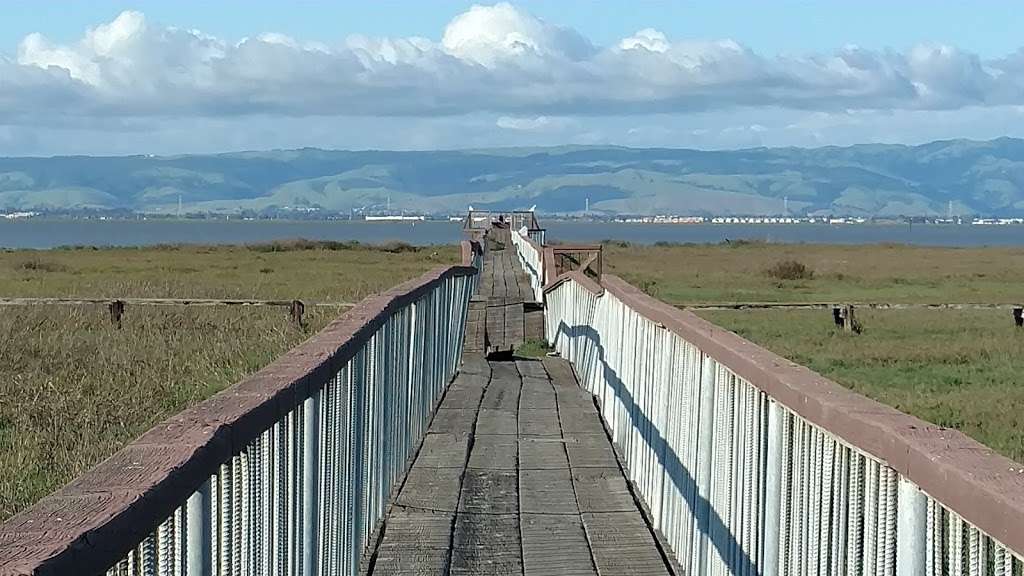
(504, 315)
(516, 476)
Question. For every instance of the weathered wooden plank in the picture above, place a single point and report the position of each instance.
(462, 398)
(494, 452)
(475, 365)
(537, 394)
(419, 529)
(555, 545)
(443, 451)
(487, 544)
(532, 369)
(497, 422)
(590, 451)
(542, 454)
(495, 328)
(560, 371)
(547, 492)
(505, 371)
(502, 395)
(471, 381)
(622, 543)
(415, 542)
(580, 420)
(430, 488)
(514, 325)
(397, 559)
(539, 423)
(574, 398)
(454, 421)
(523, 279)
(489, 492)
(602, 490)
(533, 324)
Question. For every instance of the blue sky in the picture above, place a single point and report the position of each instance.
(990, 29)
(104, 77)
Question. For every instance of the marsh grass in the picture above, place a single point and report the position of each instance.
(789, 270)
(958, 368)
(73, 389)
(296, 269)
(734, 272)
(962, 369)
(533, 349)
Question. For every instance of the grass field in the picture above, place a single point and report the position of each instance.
(73, 389)
(958, 368)
(695, 274)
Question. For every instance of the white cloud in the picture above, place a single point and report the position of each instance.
(490, 35)
(527, 74)
(647, 39)
(533, 124)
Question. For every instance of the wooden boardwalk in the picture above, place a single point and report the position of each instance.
(516, 475)
(509, 318)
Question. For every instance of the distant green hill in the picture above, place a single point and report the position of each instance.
(866, 180)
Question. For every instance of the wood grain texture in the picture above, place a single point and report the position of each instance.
(525, 499)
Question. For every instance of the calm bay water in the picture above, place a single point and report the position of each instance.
(51, 233)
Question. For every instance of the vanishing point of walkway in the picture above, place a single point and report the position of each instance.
(516, 476)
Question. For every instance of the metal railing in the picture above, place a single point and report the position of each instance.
(478, 220)
(521, 219)
(532, 258)
(286, 473)
(750, 464)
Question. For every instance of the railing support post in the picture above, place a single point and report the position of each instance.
(310, 482)
(773, 490)
(705, 450)
(199, 521)
(911, 529)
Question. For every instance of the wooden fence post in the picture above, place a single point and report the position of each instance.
(845, 318)
(852, 324)
(295, 311)
(116, 311)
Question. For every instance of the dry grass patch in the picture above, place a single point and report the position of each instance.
(73, 389)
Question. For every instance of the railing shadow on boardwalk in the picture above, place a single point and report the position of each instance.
(707, 519)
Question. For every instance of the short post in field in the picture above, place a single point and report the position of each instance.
(295, 312)
(116, 311)
(845, 318)
(1018, 317)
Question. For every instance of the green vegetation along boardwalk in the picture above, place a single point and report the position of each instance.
(516, 475)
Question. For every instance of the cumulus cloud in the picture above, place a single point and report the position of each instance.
(497, 60)
(647, 39)
(533, 124)
(492, 35)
